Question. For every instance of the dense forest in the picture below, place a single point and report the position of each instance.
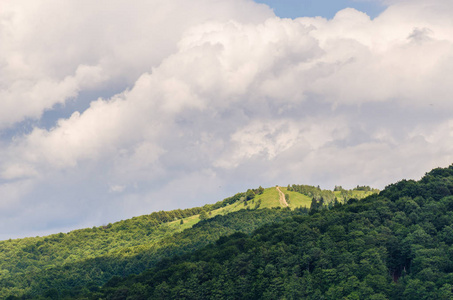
(67, 264)
(395, 245)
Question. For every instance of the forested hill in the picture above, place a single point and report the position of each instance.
(63, 265)
(395, 245)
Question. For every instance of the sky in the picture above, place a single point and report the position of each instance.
(325, 8)
(112, 109)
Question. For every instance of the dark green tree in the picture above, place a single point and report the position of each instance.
(203, 215)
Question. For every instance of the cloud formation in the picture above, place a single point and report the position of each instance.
(50, 51)
(216, 101)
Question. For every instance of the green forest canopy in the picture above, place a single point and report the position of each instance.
(395, 245)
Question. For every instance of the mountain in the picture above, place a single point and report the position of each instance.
(79, 262)
(397, 244)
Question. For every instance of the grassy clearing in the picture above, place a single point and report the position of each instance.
(176, 226)
(296, 199)
(269, 198)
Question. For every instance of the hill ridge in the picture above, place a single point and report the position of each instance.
(393, 245)
(134, 244)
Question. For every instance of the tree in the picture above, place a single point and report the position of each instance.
(260, 190)
(313, 206)
(338, 188)
(203, 215)
(249, 195)
(258, 204)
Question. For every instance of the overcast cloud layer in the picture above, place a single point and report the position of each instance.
(209, 98)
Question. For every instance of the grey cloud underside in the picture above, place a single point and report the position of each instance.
(230, 104)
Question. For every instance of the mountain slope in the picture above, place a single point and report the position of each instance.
(395, 245)
(93, 255)
(87, 258)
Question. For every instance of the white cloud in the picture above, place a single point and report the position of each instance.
(50, 51)
(240, 98)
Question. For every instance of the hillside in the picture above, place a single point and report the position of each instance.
(395, 245)
(27, 277)
(90, 257)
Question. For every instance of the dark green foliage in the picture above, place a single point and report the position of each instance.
(316, 205)
(364, 188)
(94, 255)
(250, 194)
(71, 278)
(258, 204)
(203, 215)
(259, 190)
(395, 245)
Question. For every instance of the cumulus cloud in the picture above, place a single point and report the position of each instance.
(50, 52)
(225, 98)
